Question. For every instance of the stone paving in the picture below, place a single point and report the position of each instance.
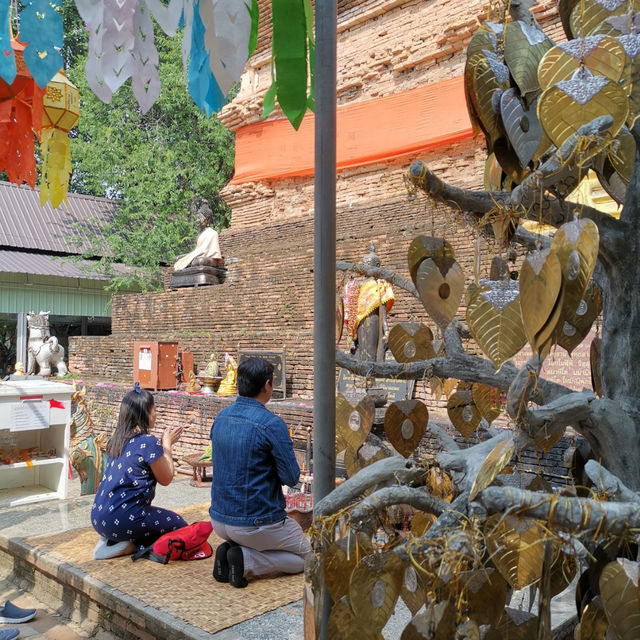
(48, 624)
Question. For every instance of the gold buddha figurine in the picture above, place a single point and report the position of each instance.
(212, 370)
(229, 387)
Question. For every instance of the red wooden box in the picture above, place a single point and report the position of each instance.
(155, 364)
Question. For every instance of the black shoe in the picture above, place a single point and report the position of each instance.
(235, 561)
(220, 563)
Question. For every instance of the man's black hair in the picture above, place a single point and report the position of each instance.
(253, 373)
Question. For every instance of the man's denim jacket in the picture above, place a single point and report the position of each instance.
(252, 456)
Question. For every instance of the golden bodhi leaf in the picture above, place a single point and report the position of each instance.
(351, 462)
(341, 559)
(423, 247)
(515, 624)
(344, 625)
(567, 105)
(631, 75)
(405, 422)
(411, 342)
(546, 442)
(522, 126)
(439, 484)
(540, 283)
(603, 55)
(463, 413)
(591, 16)
(619, 593)
(420, 523)
(487, 38)
(353, 423)
(412, 588)
(494, 319)
(448, 386)
(574, 327)
(576, 244)
(593, 623)
(484, 591)
(485, 73)
(487, 400)
(622, 151)
(516, 546)
(375, 587)
(435, 385)
(563, 571)
(493, 464)
(524, 46)
(440, 287)
(436, 622)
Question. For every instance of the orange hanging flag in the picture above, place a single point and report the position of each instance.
(20, 117)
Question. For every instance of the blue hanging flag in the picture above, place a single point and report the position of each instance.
(7, 57)
(203, 87)
(41, 28)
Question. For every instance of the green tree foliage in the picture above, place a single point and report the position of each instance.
(160, 167)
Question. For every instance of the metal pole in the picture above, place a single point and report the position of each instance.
(324, 457)
(324, 407)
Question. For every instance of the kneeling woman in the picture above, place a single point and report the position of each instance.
(122, 512)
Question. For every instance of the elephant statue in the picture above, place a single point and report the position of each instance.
(43, 348)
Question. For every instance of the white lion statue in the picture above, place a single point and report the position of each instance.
(43, 348)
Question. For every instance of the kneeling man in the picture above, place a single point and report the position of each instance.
(252, 456)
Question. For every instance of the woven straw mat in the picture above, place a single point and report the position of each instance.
(185, 590)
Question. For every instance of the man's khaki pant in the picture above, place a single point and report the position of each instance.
(272, 548)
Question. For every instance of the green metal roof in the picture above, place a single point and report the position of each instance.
(61, 296)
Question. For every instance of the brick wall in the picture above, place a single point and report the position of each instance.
(266, 302)
(196, 412)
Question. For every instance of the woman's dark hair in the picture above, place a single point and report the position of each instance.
(252, 375)
(133, 419)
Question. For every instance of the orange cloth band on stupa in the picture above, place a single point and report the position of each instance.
(367, 132)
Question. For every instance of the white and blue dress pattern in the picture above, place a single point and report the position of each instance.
(122, 507)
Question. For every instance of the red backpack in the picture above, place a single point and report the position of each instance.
(187, 543)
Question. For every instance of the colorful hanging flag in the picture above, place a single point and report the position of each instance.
(7, 58)
(41, 30)
(20, 117)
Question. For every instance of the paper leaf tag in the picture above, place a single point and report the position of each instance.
(411, 342)
(353, 423)
(405, 422)
(440, 290)
(463, 413)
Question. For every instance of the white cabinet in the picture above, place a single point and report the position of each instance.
(34, 441)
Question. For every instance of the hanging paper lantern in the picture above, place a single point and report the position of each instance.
(20, 117)
(61, 110)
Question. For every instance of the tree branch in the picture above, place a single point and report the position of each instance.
(464, 464)
(566, 410)
(525, 199)
(396, 470)
(612, 485)
(457, 365)
(362, 514)
(381, 274)
(576, 515)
